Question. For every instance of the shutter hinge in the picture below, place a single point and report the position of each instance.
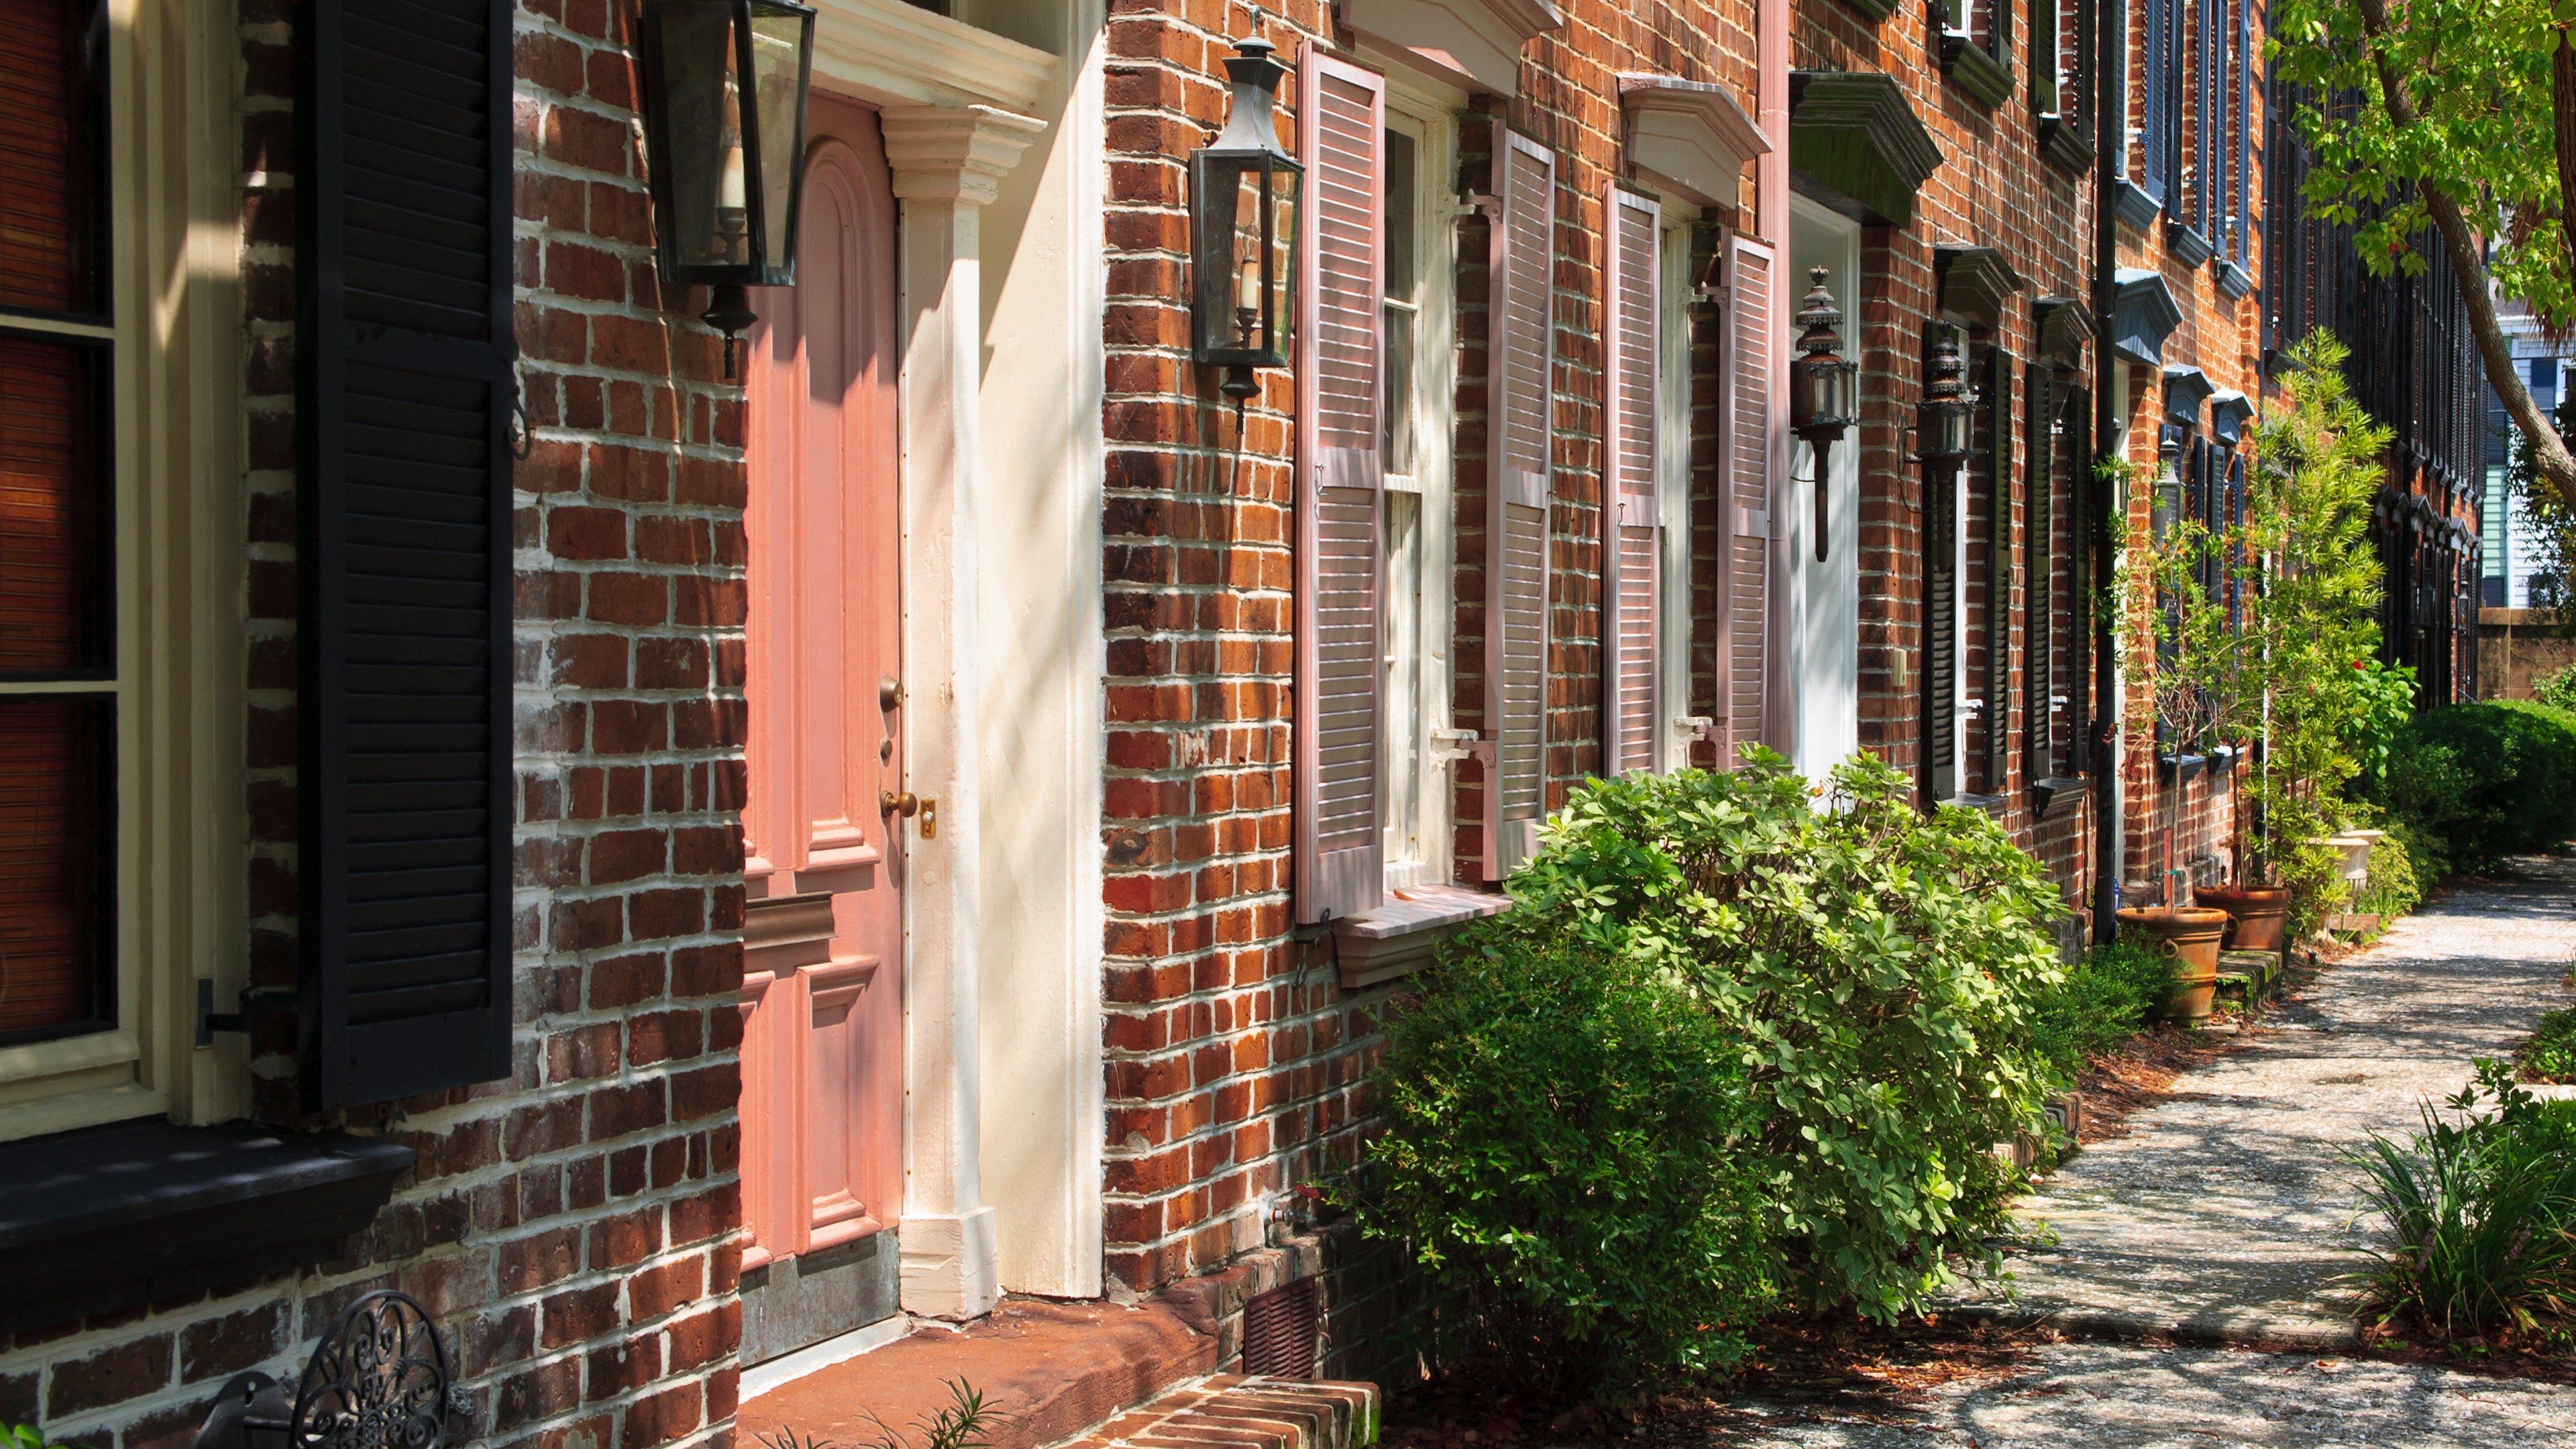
(258, 1001)
(1484, 204)
(1454, 745)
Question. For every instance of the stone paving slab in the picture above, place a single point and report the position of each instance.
(2228, 1213)
(2130, 1396)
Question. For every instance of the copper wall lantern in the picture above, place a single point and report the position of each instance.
(1824, 388)
(1244, 193)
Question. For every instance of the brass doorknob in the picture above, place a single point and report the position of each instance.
(906, 804)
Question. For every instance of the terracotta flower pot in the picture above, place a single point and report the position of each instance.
(2257, 916)
(2191, 936)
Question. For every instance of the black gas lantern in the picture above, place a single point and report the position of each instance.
(1824, 389)
(1243, 219)
(725, 83)
(1948, 406)
(2166, 506)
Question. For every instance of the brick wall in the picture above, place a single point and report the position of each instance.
(1235, 1058)
(572, 1229)
(1993, 189)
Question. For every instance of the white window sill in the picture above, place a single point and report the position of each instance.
(1402, 935)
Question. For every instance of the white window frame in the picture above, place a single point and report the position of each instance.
(1676, 728)
(180, 548)
(1422, 620)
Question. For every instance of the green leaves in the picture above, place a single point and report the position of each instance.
(1776, 1036)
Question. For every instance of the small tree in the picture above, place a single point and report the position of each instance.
(2191, 588)
(2316, 469)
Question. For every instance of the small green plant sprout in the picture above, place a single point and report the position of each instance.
(967, 1422)
(24, 1436)
(787, 1438)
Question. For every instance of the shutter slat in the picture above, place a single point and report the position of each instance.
(1753, 450)
(1630, 538)
(1520, 366)
(2039, 621)
(404, 501)
(1337, 845)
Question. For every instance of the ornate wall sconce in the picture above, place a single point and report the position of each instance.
(725, 86)
(1948, 408)
(1244, 193)
(1824, 388)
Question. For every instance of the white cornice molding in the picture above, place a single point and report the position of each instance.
(1474, 42)
(953, 153)
(1690, 134)
(891, 53)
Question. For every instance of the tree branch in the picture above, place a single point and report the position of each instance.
(2562, 116)
(2549, 455)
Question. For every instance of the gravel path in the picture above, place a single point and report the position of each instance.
(2126, 1396)
(2228, 1214)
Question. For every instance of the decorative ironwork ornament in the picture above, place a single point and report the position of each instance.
(378, 1379)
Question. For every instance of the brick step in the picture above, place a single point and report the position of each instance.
(1231, 1411)
(1049, 1370)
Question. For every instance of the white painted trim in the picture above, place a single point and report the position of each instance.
(1473, 43)
(787, 1368)
(180, 547)
(1689, 136)
(891, 53)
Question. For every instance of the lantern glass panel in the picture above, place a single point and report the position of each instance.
(1246, 263)
(1838, 402)
(708, 222)
(782, 51)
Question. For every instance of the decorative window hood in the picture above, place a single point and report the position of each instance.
(2186, 388)
(2065, 325)
(1856, 145)
(1474, 43)
(1689, 136)
(2143, 313)
(2228, 413)
(1976, 284)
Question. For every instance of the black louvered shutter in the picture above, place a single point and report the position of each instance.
(403, 404)
(1998, 620)
(2039, 588)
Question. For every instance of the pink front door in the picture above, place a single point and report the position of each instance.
(822, 995)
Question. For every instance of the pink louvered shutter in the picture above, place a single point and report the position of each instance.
(1747, 650)
(1631, 520)
(1521, 355)
(1339, 475)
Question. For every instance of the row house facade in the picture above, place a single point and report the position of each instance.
(691, 857)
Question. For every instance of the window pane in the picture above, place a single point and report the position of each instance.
(51, 203)
(1400, 787)
(54, 576)
(54, 865)
(1403, 281)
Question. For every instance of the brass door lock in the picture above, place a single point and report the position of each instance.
(906, 804)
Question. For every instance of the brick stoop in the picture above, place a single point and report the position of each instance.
(1050, 1370)
(1229, 1411)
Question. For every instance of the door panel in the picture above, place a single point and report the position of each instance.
(822, 1037)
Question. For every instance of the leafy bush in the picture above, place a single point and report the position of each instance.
(2550, 1055)
(2483, 1212)
(2107, 998)
(1871, 975)
(2387, 696)
(2395, 885)
(2487, 780)
(1568, 1155)
(2558, 691)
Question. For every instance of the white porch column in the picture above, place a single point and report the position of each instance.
(946, 162)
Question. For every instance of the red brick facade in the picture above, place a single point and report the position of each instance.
(571, 1230)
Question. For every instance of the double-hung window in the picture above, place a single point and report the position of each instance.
(120, 568)
(1416, 539)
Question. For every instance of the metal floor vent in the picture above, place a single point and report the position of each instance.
(1283, 1331)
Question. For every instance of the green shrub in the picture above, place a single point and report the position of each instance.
(2483, 1214)
(2487, 780)
(2558, 691)
(2550, 1055)
(2395, 886)
(1874, 973)
(2107, 998)
(1568, 1155)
